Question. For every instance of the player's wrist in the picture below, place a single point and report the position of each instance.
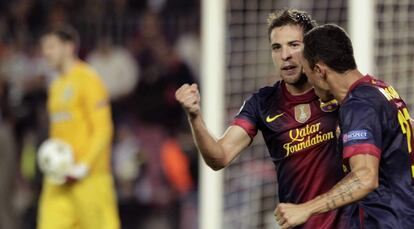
(312, 206)
(194, 116)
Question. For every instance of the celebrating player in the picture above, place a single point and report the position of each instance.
(79, 115)
(376, 140)
(300, 133)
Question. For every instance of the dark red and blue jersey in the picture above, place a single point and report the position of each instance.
(374, 120)
(301, 138)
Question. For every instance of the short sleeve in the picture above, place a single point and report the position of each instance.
(361, 129)
(247, 117)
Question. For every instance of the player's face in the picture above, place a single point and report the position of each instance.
(54, 50)
(287, 46)
(314, 76)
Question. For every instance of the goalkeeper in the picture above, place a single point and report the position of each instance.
(79, 115)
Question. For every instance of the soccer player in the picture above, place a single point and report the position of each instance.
(79, 115)
(376, 140)
(300, 134)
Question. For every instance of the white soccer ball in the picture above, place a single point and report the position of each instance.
(55, 159)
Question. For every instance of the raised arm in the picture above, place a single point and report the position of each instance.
(217, 153)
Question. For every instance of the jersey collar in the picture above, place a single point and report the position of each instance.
(366, 79)
(308, 96)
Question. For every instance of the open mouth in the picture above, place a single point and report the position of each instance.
(287, 68)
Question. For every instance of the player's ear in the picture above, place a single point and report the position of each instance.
(320, 69)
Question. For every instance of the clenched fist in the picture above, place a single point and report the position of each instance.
(291, 215)
(189, 97)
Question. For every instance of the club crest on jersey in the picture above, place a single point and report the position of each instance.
(302, 113)
(67, 93)
(329, 106)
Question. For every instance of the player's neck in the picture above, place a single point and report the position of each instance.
(67, 65)
(300, 89)
(340, 84)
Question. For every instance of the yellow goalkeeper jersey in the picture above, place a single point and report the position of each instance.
(79, 111)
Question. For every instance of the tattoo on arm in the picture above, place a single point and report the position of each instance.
(343, 191)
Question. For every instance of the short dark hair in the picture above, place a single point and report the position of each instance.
(330, 44)
(65, 33)
(285, 16)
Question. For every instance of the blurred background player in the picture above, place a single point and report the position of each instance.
(376, 140)
(299, 132)
(79, 115)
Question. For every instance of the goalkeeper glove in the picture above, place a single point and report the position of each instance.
(77, 172)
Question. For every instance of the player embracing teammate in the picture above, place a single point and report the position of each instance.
(376, 139)
(299, 130)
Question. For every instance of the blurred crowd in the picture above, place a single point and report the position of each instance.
(143, 50)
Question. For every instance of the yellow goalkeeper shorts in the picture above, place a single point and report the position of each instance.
(87, 204)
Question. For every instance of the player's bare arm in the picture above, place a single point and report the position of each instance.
(217, 153)
(362, 180)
